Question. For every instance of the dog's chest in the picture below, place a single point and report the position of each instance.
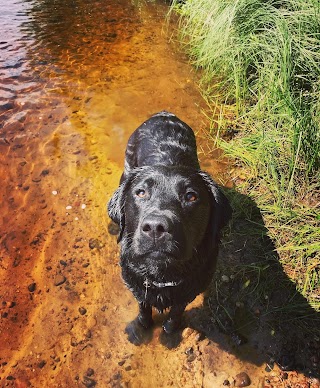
(159, 295)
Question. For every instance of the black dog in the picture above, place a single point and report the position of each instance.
(170, 214)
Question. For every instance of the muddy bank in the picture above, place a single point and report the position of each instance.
(76, 80)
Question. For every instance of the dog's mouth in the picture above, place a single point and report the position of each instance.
(163, 267)
(159, 254)
(157, 257)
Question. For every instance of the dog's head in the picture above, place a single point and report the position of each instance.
(165, 214)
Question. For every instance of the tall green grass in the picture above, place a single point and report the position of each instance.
(263, 58)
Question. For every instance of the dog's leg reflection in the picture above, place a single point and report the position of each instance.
(138, 330)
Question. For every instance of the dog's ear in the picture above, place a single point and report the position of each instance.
(221, 210)
(116, 207)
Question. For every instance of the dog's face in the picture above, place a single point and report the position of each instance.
(166, 214)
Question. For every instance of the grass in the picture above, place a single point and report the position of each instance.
(263, 58)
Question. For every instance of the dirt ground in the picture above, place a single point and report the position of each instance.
(63, 306)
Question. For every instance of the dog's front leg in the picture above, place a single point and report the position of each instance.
(145, 315)
(138, 330)
(173, 322)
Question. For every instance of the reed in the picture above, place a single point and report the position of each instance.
(263, 58)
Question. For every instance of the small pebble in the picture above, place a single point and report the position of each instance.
(87, 382)
(83, 206)
(90, 372)
(74, 342)
(82, 310)
(200, 337)
(187, 332)
(95, 243)
(242, 380)
(113, 228)
(268, 368)
(41, 364)
(225, 278)
(60, 279)
(32, 287)
(54, 192)
(191, 357)
(69, 207)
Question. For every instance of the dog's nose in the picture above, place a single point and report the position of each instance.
(155, 227)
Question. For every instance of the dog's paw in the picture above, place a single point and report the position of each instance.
(138, 334)
(172, 340)
(113, 228)
(145, 320)
(171, 325)
(171, 335)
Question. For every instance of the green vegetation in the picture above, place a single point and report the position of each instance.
(263, 58)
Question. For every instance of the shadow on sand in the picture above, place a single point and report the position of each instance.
(252, 308)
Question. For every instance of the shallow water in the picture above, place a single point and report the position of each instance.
(76, 78)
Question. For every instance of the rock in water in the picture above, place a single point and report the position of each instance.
(242, 380)
(59, 279)
(32, 287)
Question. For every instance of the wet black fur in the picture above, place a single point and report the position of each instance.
(169, 245)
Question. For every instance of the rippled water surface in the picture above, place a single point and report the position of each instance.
(98, 61)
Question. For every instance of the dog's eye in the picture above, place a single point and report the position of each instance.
(141, 193)
(191, 196)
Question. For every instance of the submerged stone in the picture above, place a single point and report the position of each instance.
(242, 380)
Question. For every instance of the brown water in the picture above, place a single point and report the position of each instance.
(76, 78)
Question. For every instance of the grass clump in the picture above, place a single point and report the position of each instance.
(263, 57)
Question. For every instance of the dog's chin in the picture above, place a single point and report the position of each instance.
(160, 259)
(155, 252)
(160, 255)
(154, 260)
(162, 265)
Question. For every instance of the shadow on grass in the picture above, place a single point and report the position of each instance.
(252, 304)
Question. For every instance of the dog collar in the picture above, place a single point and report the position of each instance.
(161, 285)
